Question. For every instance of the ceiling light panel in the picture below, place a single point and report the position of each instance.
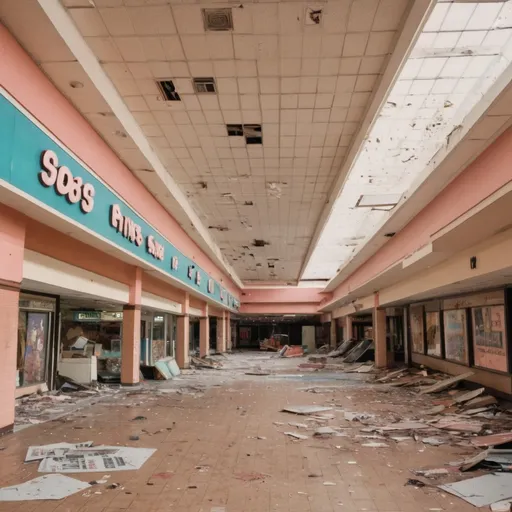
(462, 50)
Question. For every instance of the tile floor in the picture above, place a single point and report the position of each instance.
(212, 461)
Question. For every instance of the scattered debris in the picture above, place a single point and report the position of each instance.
(250, 477)
(482, 490)
(445, 384)
(139, 418)
(305, 409)
(492, 440)
(48, 487)
(433, 441)
(329, 483)
(466, 397)
(375, 445)
(296, 435)
(52, 450)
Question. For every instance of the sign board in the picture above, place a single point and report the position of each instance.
(41, 169)
(489, 339)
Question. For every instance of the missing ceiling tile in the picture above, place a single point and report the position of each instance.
(168, 90)
(253, 134)
(235, 130)
(378, 200)
(218, 19)
(259, 243)
(313, 16)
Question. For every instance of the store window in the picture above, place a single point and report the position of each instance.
(433, 324)
(456, 335)
(489, 339)
(35, 340)
(158, 344)
(417, 330)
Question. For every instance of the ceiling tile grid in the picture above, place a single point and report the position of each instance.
(308, 86)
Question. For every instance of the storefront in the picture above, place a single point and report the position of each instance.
(37, 342)
(470, 330)
(158, 336)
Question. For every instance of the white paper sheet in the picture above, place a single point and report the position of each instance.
(99, 458)
(47, 487)
(52, 450)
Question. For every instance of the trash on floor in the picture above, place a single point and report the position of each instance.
(296, 435)
(363, 351)
(343, 348)
(52, 450)
(291, 351)
(48, 487)
(492, 440)
(98, 458)
(205, 363)
(445, 384)
(482, 490)
(167, 368)
(305, 409)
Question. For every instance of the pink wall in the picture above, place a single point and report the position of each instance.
(21, 77)
(12, 235)
(279, 309)
(277, 295)
(489, 172)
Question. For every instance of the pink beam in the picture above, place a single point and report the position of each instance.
(282, 295)
(279, 309)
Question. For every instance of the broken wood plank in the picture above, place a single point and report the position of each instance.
(466, 397)
(445, 384)
(481, 401)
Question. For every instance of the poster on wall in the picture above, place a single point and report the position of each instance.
(456, 335)
(433, 321)
(489, 343)
(417, 338)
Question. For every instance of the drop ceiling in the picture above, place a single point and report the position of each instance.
(309, 85)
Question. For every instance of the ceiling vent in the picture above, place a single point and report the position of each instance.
(168, 90)
(204, 85)
(235, 130)
(218, 19)
(378, 200)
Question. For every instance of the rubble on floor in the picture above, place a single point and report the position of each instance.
(205, 363)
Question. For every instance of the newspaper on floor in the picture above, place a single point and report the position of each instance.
(52, 450)
(99, 458)
(47, 487)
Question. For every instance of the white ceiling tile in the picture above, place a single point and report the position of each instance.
(117, 21)
(179, 69)
(265, 18)
(213, 116)
(329, 67)
(152, 47)
(307, 100)
(267, 47)
(371, 65)
(346, 84)
(361, 15)
(291, 16)
(327, 84)
(188, 19)
(152, 20)
(308, 84)
(291, 46)
(323, 101)
(136, 103)
(290, 67)
(289, 85)
(184, 85)
(380, 43)
(365, 83)
(199, 121)
(245, 47)
(311, 46)
(220, 45)
(355, 44)
(268, 67)
(484, 15)
(332, 45)
(195, 47)
(246, 68)
(139, 70)
(181, 118)
(251, 116)
(458, 16)
(338, 114)
(287, 129)
(355, 113)
(342, 99)
(104, 48)
(227, 85)
(224, 68)
(242, 21)
(160, 69)
(269, 85)
(191, 102)
(321, 115)
(201, 68)
(89, 22)
(270, 102)
(289, 116)
(232, 116)
(249, 102)
(248, 85)
(336, 16)
(130, 49)
(209, 102)
(310, 67)
(147, 86)
(389, 15)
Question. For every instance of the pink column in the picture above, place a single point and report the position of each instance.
(348, 331)
(379, 337)
(228, 331)
(183, 336)
(334, 341)
(130, 360)
(221, 333)
(204, 333)
(12, 243)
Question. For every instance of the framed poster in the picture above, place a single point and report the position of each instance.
(433, 323)
(456, 335)
(417, 330)
(489, 340)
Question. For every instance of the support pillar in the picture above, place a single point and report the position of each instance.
(348, 333)
(228, 332)
(130, 351)
(183, 335)
(379, 335)
(12, 245)
(204, 334)
(221, 333)
(333, 340)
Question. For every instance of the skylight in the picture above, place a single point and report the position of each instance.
(462, 50)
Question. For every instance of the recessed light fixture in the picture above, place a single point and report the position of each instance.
(76, 85)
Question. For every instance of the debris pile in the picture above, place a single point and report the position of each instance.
(207, 363)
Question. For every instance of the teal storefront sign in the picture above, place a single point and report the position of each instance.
(32, 162)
